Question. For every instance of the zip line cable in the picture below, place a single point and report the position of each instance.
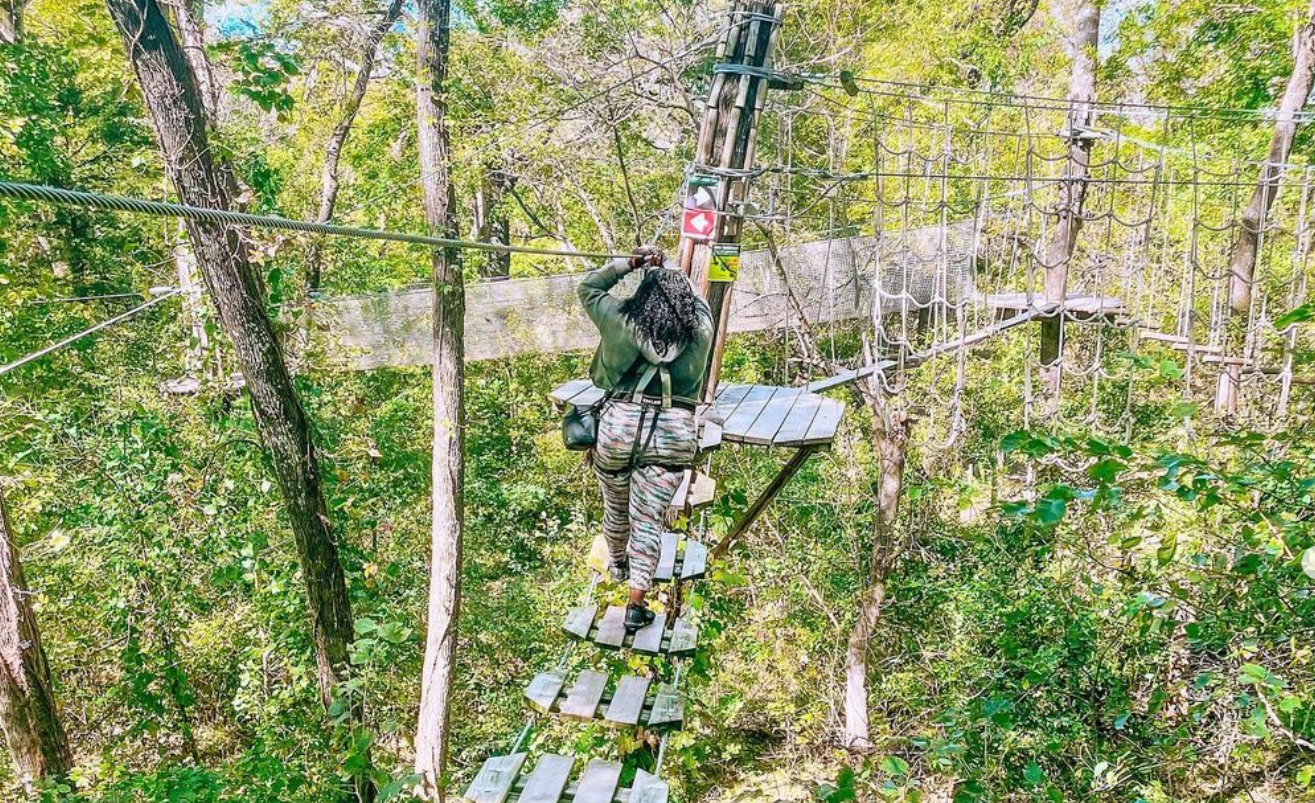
(173, 291)
(118, 203)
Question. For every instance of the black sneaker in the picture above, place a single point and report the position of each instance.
(620, 571)
(637, 617)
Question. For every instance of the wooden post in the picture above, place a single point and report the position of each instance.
(1072, 192)
(725, 149)
(1242, 264)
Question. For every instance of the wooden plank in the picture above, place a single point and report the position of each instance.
(544, 691)
(763, 432)
(702, 490)
(564, 393)
(590, 396)
(710, 436)
(495, 779)
(599, 782)
(628, 701)
(695, 562)
(794, 428)
(684, 638)
(580, 620)
(548, 781)
(825, 423)
(682, 491)
(649, 639)
(582, 701)
(747, 411)
(612, 629)
(666, 566)
(728, 396)
(668, 708)
(647, 789)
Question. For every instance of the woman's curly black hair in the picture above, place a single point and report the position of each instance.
(663, 309)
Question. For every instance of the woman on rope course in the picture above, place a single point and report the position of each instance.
(651, 362)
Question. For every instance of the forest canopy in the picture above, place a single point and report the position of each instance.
(1051, 258)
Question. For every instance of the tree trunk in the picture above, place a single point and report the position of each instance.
(491, 221)
(1242, 265)
(1072, 192)
(11, 21)
(890, 437)
(338, 139)
(194, 49)
(180, 121)
(28, 716)
(432, 729)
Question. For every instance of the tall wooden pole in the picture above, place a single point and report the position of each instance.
(1242, 264)
(725, 150)
(1072, 192)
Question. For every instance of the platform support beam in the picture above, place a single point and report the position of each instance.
(748, 517)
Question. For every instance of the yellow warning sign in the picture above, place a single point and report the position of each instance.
(725, 267)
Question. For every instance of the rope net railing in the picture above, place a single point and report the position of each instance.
(939, 213)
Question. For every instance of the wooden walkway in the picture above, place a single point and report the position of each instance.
(503, 779)
(635, 701)
(760, 415)
(1080, 307)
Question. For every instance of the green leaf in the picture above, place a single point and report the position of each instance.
(1168, 546)
(1106, 470)
(1184, 409)
(1305, 775)
(1306, 312)
(1050, 510)
(894, 765)
(1034, 774)
(1257, 675)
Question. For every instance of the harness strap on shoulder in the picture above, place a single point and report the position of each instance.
(638, 396)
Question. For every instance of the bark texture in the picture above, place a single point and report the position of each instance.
(176, 108)
(338, 139)
(193, 35)
(28, 715)
(11, 21)
(1242, 264)
(432, 729)
(890, 437)
(492, 225)
(1072, 192)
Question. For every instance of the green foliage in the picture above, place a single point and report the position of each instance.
(1084, 614)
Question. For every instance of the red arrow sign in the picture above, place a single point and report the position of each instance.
(698, 224)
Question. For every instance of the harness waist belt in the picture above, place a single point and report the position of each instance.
(680, 404)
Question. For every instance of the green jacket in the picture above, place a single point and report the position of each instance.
(620, 348)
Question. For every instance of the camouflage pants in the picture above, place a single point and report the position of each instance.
(636, 497)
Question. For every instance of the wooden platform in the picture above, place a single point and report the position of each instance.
(1178, 342)
(633, 701)
(1081, 307)
(761, 415)
(608, 631)
(503, 779)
